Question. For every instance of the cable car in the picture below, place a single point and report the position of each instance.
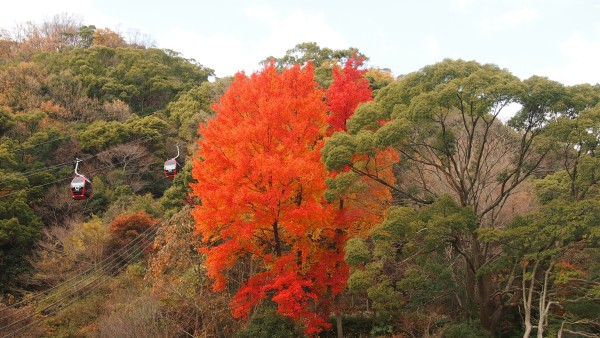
(81, 188)
(170, 168)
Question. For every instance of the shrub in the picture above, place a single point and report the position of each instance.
(466, 330)
(267, 323)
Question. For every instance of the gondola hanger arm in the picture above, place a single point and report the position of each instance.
(77, 165)
(176, 146)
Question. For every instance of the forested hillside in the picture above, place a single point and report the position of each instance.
(316, 197)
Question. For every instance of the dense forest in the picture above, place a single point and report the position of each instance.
(316, 197)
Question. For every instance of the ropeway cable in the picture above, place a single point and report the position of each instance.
(56, 166)
(108, 260)
(67, 178)
(132, 252)
(134, 255)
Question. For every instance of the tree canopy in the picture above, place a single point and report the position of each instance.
(316, 195)
(259, 204)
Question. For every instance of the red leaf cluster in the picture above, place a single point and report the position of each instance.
(348, 90)
(261, 183)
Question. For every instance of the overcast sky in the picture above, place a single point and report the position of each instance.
(559, 39)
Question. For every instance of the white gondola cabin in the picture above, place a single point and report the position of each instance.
(170, 168)
(81, 188)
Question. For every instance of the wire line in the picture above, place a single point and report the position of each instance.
(31, 172)
(133, 250)
(102, 262)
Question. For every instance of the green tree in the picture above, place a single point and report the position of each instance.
(101, 135)
(443, 121)
(324, 59)
(193, 107)
(19, 225)
(406, 269)
(7, 121)
(310, 51)
(379, 78)
(152, 129)
(86, 35)
(19, 228)
(541, 244)
(145, 79)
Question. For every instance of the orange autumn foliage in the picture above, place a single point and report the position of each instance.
(261, 183)
(366, 207)
(126, 228)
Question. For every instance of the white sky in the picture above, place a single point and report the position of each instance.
(559, 39)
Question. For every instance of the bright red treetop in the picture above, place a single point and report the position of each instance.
(261, 183)
(349, 88)
(358, 210)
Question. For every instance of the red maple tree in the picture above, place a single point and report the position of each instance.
(261, 183)
(348, 90)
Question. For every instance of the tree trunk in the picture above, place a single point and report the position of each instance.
(486, 305)
(528, 328)
(528, 298)
(482, 287)
(338, 324)
(276, 239)
(490, 308)
(544, 304)
(338, 314)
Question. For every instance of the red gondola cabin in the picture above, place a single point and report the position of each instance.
(81, 188)
(170, 169)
